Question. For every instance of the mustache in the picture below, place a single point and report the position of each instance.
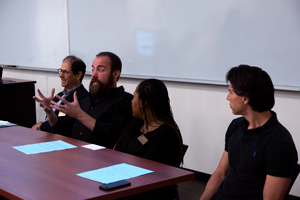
(97, 81)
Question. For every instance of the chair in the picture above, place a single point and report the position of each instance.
(184, 149)
(295, 175)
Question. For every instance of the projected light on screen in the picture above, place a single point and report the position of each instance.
(145, 43)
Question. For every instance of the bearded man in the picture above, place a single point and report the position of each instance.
(102, 116)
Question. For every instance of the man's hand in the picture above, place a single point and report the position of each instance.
(217, 178)
(71, 109)
(45, 102)
(37, 126)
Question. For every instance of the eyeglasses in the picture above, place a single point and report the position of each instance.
(63, 71)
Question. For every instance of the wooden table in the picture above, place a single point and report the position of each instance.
(16, 102)
(52, 175)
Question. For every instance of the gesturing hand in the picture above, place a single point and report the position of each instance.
(45, 102)
(70, 109)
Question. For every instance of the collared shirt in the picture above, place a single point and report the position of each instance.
(66, 93)
(253, 154)
(81, 94)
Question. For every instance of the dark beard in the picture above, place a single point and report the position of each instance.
(101, 89)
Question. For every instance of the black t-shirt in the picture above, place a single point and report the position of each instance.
(112, 114)
(253, 154)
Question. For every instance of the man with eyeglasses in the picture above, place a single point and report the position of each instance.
(102, 116)
(71, 74)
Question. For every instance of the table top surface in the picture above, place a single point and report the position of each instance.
(52, 175)
(13, 81)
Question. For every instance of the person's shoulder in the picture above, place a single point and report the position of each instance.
(166, 133)
(235, 122)
(280, 134)
(82, 92)
(166, 130)
(60, 93)
(233, 125)
(86, 100)
(277, 130)
(122, 94)
(82, 89)
(55, 99)
(127, 94)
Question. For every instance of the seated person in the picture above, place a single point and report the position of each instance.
(71, 74)
(102, 116)
(260, 154)
(153, 133)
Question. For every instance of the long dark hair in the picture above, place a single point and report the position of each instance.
(153, 93)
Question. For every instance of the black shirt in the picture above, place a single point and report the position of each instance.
(253, 154)
(163, 145)
(112, 113)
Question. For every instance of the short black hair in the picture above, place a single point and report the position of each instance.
(253, 83)
(76, 65)
(115, 61)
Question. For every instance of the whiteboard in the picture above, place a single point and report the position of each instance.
(191, 40)
(33, 33)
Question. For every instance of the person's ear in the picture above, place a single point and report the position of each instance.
(116, 74)
(79, 75)
(146, 104)
(246, 100)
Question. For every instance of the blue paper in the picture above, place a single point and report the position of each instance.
(44, 147)
(6, 123)
(114, 173)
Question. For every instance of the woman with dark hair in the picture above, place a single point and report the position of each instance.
(153, 134)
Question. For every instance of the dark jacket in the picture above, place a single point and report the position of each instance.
(82, 93)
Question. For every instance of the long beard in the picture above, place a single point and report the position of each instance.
(100, 89)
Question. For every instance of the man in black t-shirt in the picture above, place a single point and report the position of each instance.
(260, 155)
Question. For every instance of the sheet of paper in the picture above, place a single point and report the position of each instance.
(93, 146)
(3, 122)
(44, 147)
(114, 173)
(6, 123)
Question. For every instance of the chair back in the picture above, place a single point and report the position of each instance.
(184, 148)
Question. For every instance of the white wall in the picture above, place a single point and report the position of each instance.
(201, 111)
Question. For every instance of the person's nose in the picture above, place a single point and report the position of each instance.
(94, 74)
